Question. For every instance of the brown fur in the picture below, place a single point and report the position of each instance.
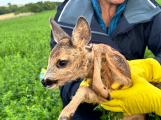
(72, 58)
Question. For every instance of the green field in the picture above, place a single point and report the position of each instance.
(24, 50)
(159, 1)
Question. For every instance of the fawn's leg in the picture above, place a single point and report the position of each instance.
(135, 117)
(84, 93)
(119, 70)
(97, 84)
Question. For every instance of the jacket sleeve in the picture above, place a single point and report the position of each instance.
(68, 91)
(153, 36)
(52, 42)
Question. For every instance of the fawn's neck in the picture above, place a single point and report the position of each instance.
(90, 65)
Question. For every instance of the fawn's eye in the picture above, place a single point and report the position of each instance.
(61, 63)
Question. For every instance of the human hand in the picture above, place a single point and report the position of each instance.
(141, 98)
(149, 68)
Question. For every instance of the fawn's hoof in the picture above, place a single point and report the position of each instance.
(63, 118)
(109, 97)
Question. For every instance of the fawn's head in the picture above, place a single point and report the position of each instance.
(70, 57)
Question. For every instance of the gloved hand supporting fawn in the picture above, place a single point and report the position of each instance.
(142, 97)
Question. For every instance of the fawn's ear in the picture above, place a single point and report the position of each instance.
(81, 34)
(58, 32)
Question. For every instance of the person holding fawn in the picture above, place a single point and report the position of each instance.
(127, 26)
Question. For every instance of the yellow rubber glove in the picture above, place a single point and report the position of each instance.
(141, 98)
(149, 68)
(86, 82)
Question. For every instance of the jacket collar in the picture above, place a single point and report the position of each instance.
(138, 11)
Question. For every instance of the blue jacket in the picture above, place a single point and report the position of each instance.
(139, 26)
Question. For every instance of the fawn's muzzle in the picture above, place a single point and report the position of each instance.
(48, 83)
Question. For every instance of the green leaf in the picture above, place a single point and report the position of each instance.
(119, 115)
(97, 108)
(104, 117)
(156, 117)
(113, 116)
(151, 115)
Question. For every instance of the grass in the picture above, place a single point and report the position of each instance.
(148, 54)
(25, 47)
(159, 1)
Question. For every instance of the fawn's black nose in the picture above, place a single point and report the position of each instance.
(109, 97)
(43, 81)
(48, 82)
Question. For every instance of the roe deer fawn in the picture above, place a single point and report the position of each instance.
(74, 58)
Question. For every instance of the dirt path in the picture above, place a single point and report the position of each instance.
(11, 15)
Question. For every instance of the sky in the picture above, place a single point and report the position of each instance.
(5, 2)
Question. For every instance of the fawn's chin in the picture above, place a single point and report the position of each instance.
(54, 86)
